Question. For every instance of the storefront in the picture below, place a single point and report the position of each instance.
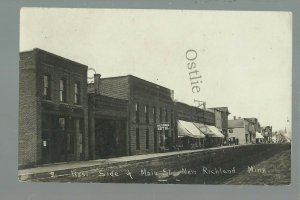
(259, 138)
(213, 137)
(189, 136)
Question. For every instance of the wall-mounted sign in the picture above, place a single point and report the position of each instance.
(163, 126)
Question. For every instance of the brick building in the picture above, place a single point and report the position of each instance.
(148, 106)
(63, 118)
(107, 125)
(53, 109)
(197, 127)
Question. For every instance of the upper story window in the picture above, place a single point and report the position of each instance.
(147, 113)
(47, 87)
(137, 111)
(77, 93)
(154, 114)
(166, 115)
(160, 114)
(62, 90)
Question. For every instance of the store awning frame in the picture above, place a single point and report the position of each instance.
(216, 131)
(188, 129)
(210, 131)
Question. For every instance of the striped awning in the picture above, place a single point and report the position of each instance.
(210, 131)
(216, 131)
(188, 129)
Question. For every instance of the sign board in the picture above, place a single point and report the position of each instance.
(163, 126)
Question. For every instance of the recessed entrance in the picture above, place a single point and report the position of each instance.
(110, 137)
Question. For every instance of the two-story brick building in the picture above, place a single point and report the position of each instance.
(53, 109)
(148, 105)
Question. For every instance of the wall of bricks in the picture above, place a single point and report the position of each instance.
(154, 96)
(115, 87)
(194, 114)
(29, 112)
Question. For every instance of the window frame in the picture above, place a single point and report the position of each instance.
(154, 114)
(47, 90)
(77, 94)
(147, 113)
(62, 90)
(137, 112)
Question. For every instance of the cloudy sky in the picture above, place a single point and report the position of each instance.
(244, 58)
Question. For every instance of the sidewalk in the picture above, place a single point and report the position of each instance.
(46, 169)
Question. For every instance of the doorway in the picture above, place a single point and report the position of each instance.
(110, 138)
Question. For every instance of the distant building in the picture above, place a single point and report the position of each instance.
(267, 134)
(241, 131)
(221, 120)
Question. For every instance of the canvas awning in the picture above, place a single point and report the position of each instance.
(210, 131)
(258, 135)
(188, 129)
(204, 129)
(216, 132)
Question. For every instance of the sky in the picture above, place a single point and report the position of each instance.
(244, 57)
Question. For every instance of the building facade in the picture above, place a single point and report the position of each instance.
(63, 118)
(148, 106)
(186, 117)
(267, 133)
(221, 118)
(53, 109)
(107, 126)
(241, 131)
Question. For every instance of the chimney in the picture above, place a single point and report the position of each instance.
(97, 83)
(234, 117)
